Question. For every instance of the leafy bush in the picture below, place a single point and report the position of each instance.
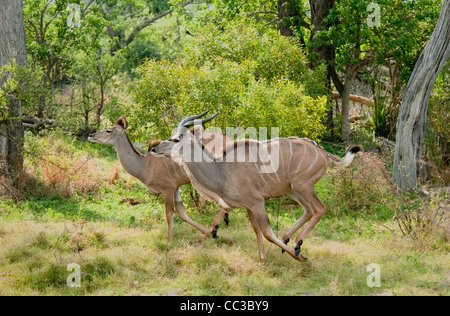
(231, 74)
(366, 184)
(270, 55)
(424, 219)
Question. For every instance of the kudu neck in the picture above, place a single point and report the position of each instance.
(208, 171)
(198, 153)
(132, 161)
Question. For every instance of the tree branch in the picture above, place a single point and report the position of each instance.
(355, 98)
(261, 12)
(147, 23)
(86, 8)
(336, 81)
(35, 122)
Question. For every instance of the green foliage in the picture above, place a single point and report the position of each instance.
(224, 12)
(381, 110)
(20, 83)
(349, 34)
(405, 28)
(233, 74)
(439, 104)
(270, 55)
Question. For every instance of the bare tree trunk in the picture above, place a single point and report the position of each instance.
(101, 104)
(413, 111)
(350, 75)
(12, 47)
(345, 98)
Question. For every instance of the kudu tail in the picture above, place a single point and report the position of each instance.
(347, 160)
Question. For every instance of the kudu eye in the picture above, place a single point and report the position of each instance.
(176, 140)
(108, 131)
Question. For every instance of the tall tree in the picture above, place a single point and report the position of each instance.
(290, 17)
(50, 34)
(320, 51)
(413, 111)
(353, 42)
(12, 48)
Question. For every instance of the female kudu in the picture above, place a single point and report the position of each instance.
(158, 175)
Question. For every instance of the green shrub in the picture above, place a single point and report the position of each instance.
(270, 55)
(240, 74)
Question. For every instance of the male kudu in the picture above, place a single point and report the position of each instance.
(243, 178)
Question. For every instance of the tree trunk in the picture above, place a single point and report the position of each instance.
(12, 47)
(413, 111)
(101, 104)
(345, 99)
(286, 10)
(320, 51)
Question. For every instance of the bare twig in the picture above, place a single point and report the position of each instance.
(11, 192)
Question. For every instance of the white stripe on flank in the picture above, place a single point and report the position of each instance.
(314, 161)
(300, 163)
(260, 174)
(276, 173)
(290, 155)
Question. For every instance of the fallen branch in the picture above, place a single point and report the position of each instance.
(11, 192)
(355, 98)
(36, 122)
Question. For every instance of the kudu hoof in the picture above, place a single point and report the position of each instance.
(225, 219)
(214, 232)
(285, 242)
(297, 249)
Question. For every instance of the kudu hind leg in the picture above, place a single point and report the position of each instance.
(259, 216)
(318, 210)
(305, 217)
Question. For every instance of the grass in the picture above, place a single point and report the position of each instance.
(122, 249)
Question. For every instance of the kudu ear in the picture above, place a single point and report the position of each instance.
(197, 131)
(122, 122)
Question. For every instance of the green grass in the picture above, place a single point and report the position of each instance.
(122, 249)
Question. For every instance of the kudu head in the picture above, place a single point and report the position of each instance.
(110, 135)
(177, 145)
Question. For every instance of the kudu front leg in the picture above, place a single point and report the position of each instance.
(168, 202)
(259, 238)
(182, 214)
